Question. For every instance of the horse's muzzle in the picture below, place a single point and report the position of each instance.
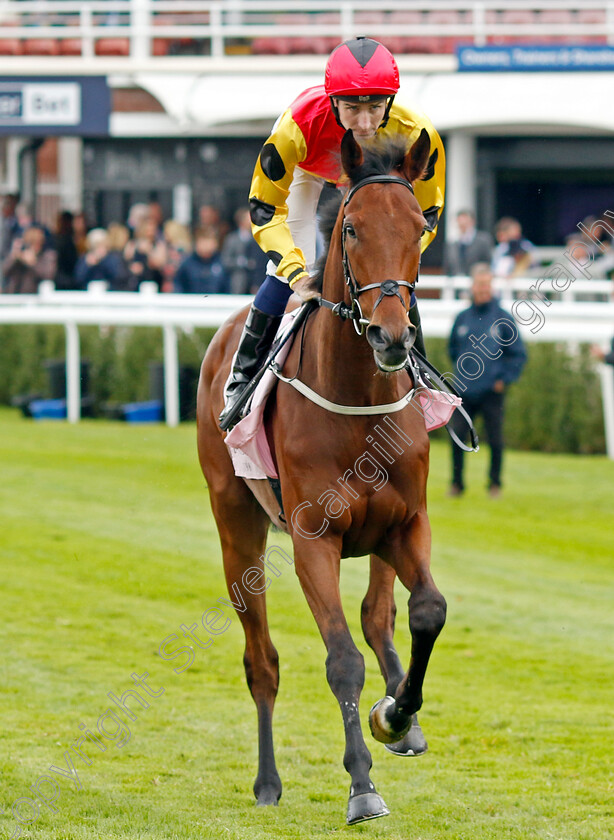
(390, 352)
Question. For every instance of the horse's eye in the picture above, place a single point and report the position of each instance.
(349, 229)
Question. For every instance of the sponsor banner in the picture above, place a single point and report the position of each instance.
(62, 105)
(535, 58)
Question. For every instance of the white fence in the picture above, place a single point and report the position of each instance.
(571, 321)
(140, 29)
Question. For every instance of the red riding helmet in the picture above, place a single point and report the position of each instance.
(361, 67)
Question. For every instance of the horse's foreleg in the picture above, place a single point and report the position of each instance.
(391, 718)
(378, 616)
(317, 566)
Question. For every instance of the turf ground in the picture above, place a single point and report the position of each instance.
(107, 546)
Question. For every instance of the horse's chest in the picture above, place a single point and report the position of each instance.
(373, 517)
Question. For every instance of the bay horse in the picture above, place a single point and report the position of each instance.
(351, 483)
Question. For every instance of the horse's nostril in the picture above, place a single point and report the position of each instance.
(377, 337)
(409, 336)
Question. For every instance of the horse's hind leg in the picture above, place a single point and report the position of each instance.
(377, 616)
(261, 664)
(242, 525)
(409, 554)
(243, 528)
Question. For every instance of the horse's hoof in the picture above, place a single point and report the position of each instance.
(366, 806)
(380, 727)
(414, 743)
(268, 796)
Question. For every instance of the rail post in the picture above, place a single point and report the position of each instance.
(73, 373)
(607, 395)
(171, 375)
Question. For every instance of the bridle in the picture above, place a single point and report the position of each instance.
(388, 288)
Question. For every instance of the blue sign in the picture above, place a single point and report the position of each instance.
(533, 59)
(55, 105)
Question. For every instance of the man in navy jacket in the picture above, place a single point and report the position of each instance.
(489, 355)
(203, 272)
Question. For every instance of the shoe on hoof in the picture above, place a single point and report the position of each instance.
(414, 743)
(366, 806)
(380, 728)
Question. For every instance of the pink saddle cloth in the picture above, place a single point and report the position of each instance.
(437, 407)
(248, 444)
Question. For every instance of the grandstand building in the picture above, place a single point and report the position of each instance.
(104, 103)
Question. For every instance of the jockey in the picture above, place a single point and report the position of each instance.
(302, 153)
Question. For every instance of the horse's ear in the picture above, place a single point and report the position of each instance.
(351, 153)
(417, 158)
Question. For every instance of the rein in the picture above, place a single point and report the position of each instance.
(388, 288)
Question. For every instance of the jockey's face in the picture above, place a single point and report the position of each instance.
(362, 118)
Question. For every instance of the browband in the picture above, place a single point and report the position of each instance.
(377, 179)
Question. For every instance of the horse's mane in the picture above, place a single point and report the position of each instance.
(380, 157)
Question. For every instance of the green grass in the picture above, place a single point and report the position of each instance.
(107, 545)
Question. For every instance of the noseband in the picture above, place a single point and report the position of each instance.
(388, 288)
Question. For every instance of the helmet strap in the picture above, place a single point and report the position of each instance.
(335, 111)
(384, 122)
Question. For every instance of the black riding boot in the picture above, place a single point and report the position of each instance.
(414, 317)
(256, 339)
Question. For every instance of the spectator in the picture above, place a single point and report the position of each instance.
(9, 224)
(488, 353)
(209, 217)
(602, 254)
(80, 228)
(98, 263)
(513, 255)
(155, 212)
(243, 258)
(146, 255)
(600, 354)
(597, 230)
(137, 214)
(604, 265)
(472, 246)
(66, 250)
(178, 245)
(29, 262)
(203, 271)
(118, 237)
(24, 218)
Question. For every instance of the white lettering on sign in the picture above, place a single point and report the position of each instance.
(52, 103)
(10, 104)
